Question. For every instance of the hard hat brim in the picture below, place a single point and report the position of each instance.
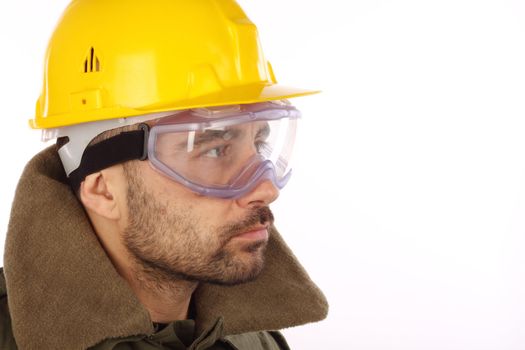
(233, 95)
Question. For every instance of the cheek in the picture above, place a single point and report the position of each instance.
(209, 210)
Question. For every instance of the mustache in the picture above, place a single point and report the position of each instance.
(260, 216)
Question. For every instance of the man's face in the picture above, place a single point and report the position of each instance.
(174, 233)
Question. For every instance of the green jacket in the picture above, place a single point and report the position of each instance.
(62, 292)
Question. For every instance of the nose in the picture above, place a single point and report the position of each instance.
(264, 193)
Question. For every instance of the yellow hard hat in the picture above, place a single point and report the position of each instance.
(118, 58)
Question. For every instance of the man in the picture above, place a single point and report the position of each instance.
(148, 225)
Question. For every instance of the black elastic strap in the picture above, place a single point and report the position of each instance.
(118, 149)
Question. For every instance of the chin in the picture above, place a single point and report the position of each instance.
(245, 267)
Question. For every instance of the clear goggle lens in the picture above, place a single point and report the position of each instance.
(224, 152)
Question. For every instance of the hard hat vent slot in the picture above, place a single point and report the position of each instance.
(92, 63)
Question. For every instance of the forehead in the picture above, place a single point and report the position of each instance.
(256, 129)
(198, 124)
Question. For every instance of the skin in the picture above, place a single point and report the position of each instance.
(164, 239)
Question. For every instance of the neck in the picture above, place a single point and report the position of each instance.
(166, 299)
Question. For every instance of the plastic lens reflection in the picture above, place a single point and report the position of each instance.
(227, 156)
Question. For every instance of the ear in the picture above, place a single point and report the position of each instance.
(97, 196)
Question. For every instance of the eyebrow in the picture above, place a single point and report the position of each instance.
(212, 135)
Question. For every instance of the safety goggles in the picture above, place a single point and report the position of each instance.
(220, 151)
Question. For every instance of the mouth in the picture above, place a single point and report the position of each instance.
(259, 233)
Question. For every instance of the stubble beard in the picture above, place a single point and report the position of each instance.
(162, 261)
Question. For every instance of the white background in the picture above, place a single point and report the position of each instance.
(407, 205)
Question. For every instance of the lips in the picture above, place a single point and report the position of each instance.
(256, 234)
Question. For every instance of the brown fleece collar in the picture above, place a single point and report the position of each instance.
(64, 293)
